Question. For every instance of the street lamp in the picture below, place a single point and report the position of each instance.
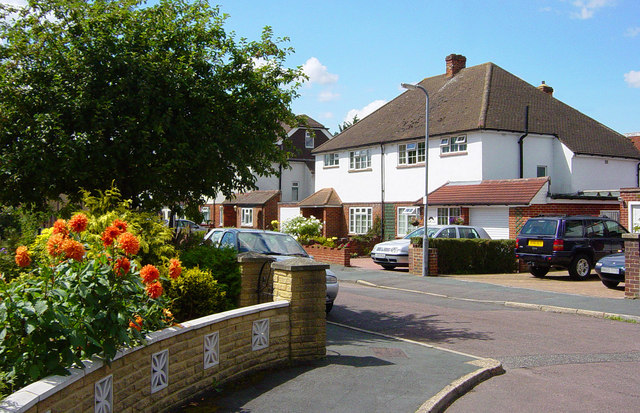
(425, 236)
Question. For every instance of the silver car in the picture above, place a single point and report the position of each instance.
(276, 245)
(395, 253)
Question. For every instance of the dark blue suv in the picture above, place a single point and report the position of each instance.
(572, 242)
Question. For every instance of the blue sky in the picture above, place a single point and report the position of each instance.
(358, 52)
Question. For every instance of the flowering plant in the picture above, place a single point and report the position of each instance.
(456, 221)
(82, 298)
(302, 228)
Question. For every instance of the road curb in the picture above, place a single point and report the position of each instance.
(515, 304)
(438, 403)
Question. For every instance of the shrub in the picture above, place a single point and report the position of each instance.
(195, 294)
(302, 228)
(223, 265)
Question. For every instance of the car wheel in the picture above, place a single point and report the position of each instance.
(610, 284)
(538, 272)
(328, 307)
(388, 266)
(580, 267)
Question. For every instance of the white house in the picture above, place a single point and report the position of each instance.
(490, 133)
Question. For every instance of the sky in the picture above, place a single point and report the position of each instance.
(358, 52)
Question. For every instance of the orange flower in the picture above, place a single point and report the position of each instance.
(60, 227)
(78, 223)
(109, 234)
(22, 256)
(122, 266)
(121, 225)
(154, 290)
(54, 244)
(129, 243)
(137, 324)
(73, 249)
(175, 268)
(149, 274)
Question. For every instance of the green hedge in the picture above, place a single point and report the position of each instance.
(473, 256)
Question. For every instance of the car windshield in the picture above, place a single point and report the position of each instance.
(270, 244)
(417, 233)
(539, 227)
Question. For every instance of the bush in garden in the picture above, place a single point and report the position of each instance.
(195, 294)
(82, 298)
(302, 228)
(18, 226)
(223, 265)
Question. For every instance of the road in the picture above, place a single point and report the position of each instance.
(553, 362)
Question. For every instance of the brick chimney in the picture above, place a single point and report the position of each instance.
(546, 88)
(455, 63)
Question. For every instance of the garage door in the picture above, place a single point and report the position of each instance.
(287, 213)
(494, 220)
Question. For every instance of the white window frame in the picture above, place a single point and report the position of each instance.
(309, 139)
(411, 153)
(454, 144)
(538, 171)
(360, 220)
(405, 216)
(445, 215)
(206, 214)
(331, 159)
(246, 217)
(360, 159)
(295, 191)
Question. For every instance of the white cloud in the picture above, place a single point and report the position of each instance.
(632, 78)
(327, 96)
(327, 115)
(587, 8)
(361, 113)
(632, 31)
(318, 73)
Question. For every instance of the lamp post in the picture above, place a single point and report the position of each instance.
(425, 237)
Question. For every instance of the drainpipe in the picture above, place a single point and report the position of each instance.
(280, 178)
(638, 175)
(520, 141)
(382, 190)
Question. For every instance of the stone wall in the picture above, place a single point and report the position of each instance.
(186, 360)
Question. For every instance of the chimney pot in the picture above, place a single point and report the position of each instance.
(546, 88)
(455, 63)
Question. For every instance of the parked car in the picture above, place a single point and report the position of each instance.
(395, 253)
(186, 224)
(611, 270)
(568, 242)
(213, 236)
(277, 245)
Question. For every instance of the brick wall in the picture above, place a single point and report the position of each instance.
(632, 265)
(320, 253)
(415, 261)
(627, 195)
(183, 361)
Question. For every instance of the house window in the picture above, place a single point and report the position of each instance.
(246, 217)
(294, 191)
(331, 159)
(406, 215)
(411, 153)
(360, 159)
(541, 170)
(360, 220)
(206, 216)
(447, 216)
(455, 144)
(309, 139)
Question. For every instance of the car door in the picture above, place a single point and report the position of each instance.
(228, 240)
(614, 241)
(449, 232)
(595, 234)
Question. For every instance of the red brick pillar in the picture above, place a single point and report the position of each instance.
(415, 261)
(632, 265)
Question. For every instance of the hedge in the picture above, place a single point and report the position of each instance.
(472, 256)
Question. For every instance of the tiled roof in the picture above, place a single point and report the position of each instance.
(490, 192)
(484, 97)
(311, 123)
(323, 198)
(253, 198)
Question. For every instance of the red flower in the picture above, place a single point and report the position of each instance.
(137, 324)
(60, 227)
(129, 243)
(22, 256)
(175, 268)
(55, 243)
(109, 234)
(121, 225)
(122, 266)
(154, 290)
(73, 249)
(78, 223)
(149, 274)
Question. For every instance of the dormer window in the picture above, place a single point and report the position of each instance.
(308, 139)
(456, 144)
(411, 153)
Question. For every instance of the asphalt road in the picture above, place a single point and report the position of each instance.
(554, 362)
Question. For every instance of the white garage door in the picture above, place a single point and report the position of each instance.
(494, 220)
(287, 213)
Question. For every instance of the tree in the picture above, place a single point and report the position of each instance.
(159, 100)
(346, 124)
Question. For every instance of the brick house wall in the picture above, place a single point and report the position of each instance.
(627, 195)
(376, 212)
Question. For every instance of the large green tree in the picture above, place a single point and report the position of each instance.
(159, 99)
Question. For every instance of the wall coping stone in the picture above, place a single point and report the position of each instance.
(251, 256)
(25, 398)
(632, 236)
(299, 264)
